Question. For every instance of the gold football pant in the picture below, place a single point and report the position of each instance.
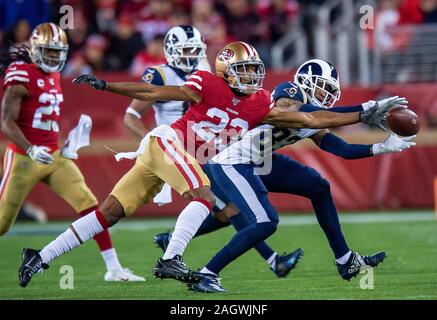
(162, 161)
(21, 174)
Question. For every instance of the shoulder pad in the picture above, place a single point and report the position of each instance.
(154, 75)
(289, 90)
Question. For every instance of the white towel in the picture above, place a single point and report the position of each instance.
(163, 131)
(133, 155)
(164, 196)
(78, 137)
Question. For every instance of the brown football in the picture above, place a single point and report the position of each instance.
(403, 122)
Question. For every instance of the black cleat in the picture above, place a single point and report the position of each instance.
(176, 269)
(284, 264)
(356, 263)
(209, 283)
(161, 240)
(31, 265)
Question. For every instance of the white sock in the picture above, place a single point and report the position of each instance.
(344, 259)
(86, 228)
(205, 270)
(111, 259)
(186, 227)
(272, 260)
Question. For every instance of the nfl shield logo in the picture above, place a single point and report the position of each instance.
(235, 101)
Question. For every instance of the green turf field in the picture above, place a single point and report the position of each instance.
(410, 272)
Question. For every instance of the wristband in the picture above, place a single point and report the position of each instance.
(377, 148)
(133, 112)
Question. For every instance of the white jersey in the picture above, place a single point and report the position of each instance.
(167, 112)
(259, 143)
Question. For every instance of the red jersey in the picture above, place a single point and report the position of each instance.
(221, 117)
(40, 110)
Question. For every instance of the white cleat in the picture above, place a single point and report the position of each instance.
(122, 275)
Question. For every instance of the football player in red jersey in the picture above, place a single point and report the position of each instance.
(31, 108)
(222, 108)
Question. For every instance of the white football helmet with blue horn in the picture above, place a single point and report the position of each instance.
(320, 81)
(184, 48)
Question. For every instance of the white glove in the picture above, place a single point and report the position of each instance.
(40, 154)
(393, 143)
(394, 101)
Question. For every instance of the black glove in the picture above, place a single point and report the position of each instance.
(92, 80)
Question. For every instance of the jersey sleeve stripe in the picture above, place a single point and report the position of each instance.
(193, 76)
(20, 79)
(192, 83)
(18, 72)
(162, 73)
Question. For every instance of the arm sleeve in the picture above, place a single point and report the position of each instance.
(310, 108)
(196, 82)
(16, 74)
(335, 145)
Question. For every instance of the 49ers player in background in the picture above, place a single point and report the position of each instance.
(30, 113)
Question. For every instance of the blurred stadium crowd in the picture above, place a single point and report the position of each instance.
(392, 13)
(126, 35)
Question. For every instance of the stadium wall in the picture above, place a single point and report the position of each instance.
(389, 182)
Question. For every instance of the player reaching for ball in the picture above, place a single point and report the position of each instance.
(239, 177)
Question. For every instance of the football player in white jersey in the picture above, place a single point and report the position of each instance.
(185, 52)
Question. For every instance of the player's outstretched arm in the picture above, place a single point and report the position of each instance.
(141, 90)
(314, 120)
(332, 143)
(281, 117)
